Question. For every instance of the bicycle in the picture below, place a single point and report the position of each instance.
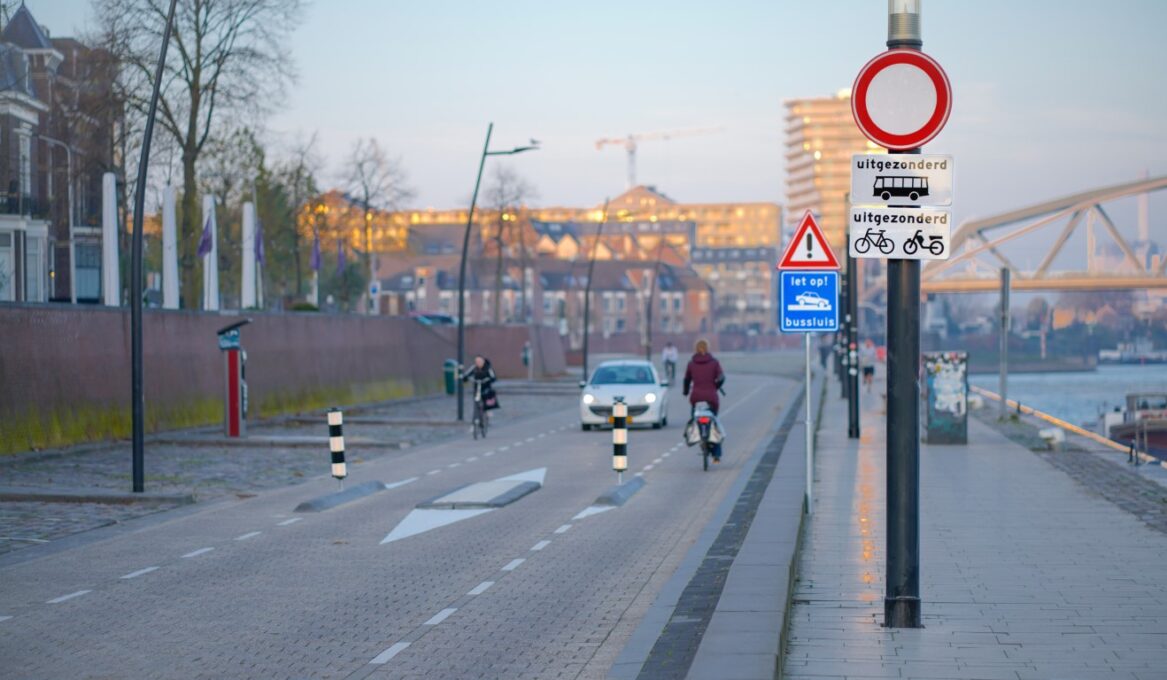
(671, 371)
(866, 241)
(935, 244)
(481, 418)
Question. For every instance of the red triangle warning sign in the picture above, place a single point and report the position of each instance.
(809, 248)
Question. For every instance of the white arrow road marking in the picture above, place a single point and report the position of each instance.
(593, 510)
(421, 521)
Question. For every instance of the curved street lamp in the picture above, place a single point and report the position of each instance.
(534, 145)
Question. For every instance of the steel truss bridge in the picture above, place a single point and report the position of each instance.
(977, 256)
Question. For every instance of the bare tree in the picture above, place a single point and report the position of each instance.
(297, 176)
(506, 195)
(374, 181)
(229, 63)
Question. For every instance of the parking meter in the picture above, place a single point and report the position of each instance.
(234, 361)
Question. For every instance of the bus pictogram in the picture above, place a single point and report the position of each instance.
(911, 187)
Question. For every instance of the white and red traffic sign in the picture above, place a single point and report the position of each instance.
(900, 233)
(901, 99)
(808, 249)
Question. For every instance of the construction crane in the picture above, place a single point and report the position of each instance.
(630, 142)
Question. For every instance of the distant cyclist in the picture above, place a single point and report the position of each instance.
(668, 357)
(484, 377)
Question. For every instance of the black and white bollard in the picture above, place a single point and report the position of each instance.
(619, 438)
(336, 444)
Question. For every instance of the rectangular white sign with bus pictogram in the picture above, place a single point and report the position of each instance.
(899, 233)
(901, 180)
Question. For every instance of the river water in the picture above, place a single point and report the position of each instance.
(1079, 398)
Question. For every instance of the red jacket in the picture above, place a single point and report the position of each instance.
(702, 378)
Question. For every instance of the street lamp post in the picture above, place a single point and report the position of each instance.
(466, 246)
(72, 247)
(587, 319)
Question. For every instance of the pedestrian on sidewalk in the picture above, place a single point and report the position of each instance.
(867, 361)
(826, 346)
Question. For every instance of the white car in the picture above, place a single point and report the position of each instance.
(637, 382)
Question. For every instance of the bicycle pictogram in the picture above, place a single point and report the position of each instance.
(879, 240)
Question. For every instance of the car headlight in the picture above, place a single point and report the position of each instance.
(588, 398)
(650, 398)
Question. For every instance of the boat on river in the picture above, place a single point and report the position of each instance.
(1143, 422)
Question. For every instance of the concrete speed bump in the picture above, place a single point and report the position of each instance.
(341, 497)
(619, 494)
(492, 494)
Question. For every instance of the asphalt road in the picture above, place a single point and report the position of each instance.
(542, 588)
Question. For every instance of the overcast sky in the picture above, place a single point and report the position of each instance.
(1050, 97)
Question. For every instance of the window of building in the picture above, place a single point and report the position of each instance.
(7, 267)
(34, 269)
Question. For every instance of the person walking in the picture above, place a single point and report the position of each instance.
(867, 361)
(703, 380)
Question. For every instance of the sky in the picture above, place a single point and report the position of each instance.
(1049, 97)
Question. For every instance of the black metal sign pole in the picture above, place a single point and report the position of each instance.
(852, 348)
(901, 604)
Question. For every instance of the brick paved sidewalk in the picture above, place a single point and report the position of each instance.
(207, 468)
(1025, 572)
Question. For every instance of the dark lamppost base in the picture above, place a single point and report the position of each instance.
(901, 612)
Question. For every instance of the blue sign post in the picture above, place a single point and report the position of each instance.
(808, 301)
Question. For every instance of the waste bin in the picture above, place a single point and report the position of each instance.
(450, 369)
(946, 386)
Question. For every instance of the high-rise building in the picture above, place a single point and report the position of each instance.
(821, 137)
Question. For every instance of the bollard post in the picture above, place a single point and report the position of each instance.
(336, 444)
(619, 438)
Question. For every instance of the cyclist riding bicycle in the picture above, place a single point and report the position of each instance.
(484, 377)
(703, 380)
(668, 357)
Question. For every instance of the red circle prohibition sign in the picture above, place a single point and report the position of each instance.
(935, 122)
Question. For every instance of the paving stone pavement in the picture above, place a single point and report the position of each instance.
(1025, 572)
(1103, 472)
(210, 471)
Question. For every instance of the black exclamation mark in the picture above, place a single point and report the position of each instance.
(809, 254)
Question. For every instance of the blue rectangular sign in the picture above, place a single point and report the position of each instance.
(808, 301)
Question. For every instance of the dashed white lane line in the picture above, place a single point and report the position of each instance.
(440, 616)
(488, 454)
(246, 536)
(70, 596)
(453, 465)
(201, 551)
(657, 461)
(647, 468)
(471, 459)
(638, 474)
(540, 545)
(516, 445)
(503, 448)
(394, 485)
(666, 454)
(563, 529)
(287, 522)
(140, 572)
(432, 472)
(596, 509)
(541, 435)
(530, 439)
(4, 618)
(481, 588)
(511, 566)
(393, 651)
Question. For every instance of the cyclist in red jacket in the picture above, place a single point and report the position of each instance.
(703, 379)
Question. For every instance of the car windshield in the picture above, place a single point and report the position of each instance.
(622, 375)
